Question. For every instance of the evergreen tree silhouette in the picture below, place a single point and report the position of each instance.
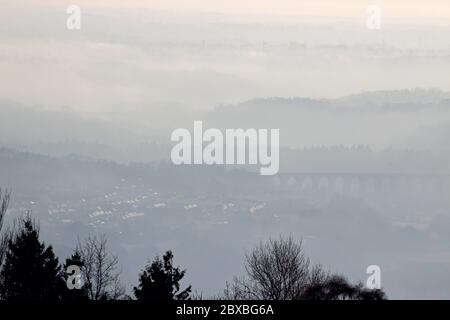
(161, 281)
(31, 272)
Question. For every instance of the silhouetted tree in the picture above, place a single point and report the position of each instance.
(276, 270)
(4, 236)
(100, 270)
(336, 287)
(161, 281)
(30, 270)
(370, 294)
(279, 270)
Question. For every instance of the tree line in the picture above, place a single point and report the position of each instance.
(275, 270)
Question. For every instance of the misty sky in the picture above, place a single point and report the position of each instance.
(142, 64)
(208, 53)
(407, 10)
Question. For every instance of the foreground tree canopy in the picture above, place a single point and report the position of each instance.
(279, 270)
(161, 281)
(30, 271)
(275, 270)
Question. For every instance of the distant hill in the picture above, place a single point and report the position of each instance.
(380, 119)
(32, 124)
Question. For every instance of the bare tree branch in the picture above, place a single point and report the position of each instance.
(279, 270)
(4, 236)
(100, 269)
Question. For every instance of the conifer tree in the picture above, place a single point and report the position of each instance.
(161, 281)
(31, 272)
